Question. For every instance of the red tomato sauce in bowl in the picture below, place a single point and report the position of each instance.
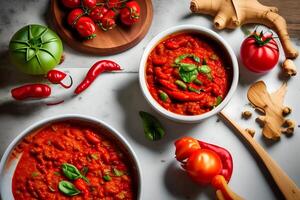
(104, 168)
(188, 74)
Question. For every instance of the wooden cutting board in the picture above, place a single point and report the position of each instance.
(106, 43)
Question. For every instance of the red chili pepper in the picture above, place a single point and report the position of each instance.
(82, 186)
(167, 84)
(31, 91)
(98, 68)
(56, 77)
(185, 96)
(225, 158)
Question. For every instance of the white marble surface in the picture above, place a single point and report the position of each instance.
(116, 99)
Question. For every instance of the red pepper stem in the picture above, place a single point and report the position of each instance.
(67, 86)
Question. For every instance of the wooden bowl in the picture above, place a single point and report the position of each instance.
(113, 41)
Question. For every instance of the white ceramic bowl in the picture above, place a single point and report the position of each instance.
(8, 163)
(208, 34)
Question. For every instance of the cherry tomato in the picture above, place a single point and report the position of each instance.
(185, 147)
(130, 14)
(71, 3)
(203, 165)
(114, 3)
(86, 28)
(74, 15)
(89, 4)
(259, 52)
(108, 21)
(98, 13)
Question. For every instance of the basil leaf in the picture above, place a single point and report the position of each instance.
(205, 69)
(181, 84)
(152, 127)
(70, 171)
(183, 56)
(193, 90)
(188, 76)
(187, 66)
(197, 82)
(106, 177)
(68, 188)
(218, 100)
(163, 96)
(118, 172)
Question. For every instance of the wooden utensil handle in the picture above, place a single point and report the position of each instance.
(286, 185)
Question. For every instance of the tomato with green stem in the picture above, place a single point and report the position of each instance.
(130, 14)
(89, 4)
(74, 16)
(108, 21)
(71, 3)
(115, 3)
(86, 28)
(98, 13)
(259, 52)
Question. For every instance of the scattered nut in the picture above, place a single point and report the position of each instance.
(288, 131)
(246, 114)
(289, 123)
(261, 120)
(251, 132)
(286, 110)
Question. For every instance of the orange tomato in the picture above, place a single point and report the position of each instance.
(203, 165)
(185, 147)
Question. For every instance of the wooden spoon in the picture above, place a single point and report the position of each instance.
(286, 185)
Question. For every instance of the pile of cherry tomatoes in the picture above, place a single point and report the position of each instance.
(87, 14)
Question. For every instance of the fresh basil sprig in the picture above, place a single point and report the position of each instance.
(188, 76)
(152, 127)
(205, 69)
(68, 188)
(183, 56)
(72, 173)
(219, 100)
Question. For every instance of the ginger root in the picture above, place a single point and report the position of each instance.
(273, 122)
(234, 13)
(289, 68)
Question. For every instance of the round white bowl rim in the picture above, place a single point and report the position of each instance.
(187, 118)
(63, 117)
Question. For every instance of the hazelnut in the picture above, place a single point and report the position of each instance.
(286, 110)
(246, 114)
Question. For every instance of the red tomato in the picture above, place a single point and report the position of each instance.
(259, 53)
(97, 13)
(114, 3)
(185, 147)
(89, 4)
(74, 15)
(71, 3)
(108, 21)
(203, 165)
(86, 28)
(130, 14)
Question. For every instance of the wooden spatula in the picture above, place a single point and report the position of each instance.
(286, 185)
